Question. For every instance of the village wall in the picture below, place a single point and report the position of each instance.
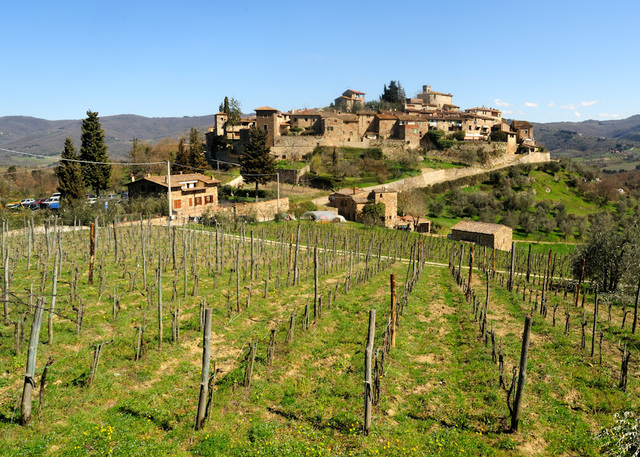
(262, 211)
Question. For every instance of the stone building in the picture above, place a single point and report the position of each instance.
(439, 100)
(348, 100)
(191, 194)
(495, 236)
(350, 203)
(291, 135)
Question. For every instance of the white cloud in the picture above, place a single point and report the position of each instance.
(552, 104)
(577, 114)
(589, 103)
(499, 102)
(571, 107)
(531, 104)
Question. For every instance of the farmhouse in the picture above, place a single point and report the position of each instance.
(495, 236)
(191, 194)
(351, 201)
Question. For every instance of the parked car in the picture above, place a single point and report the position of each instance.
(27, 202)
(36, 204)
(14, 205)
(51, 202)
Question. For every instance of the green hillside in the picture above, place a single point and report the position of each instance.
(439, 392)
(551, 202)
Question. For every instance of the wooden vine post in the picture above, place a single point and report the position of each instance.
(29, 381)
(580, 282)
(204, 379)
(368, 356)
(513, 265)
(92, 250)
(468, 291)
(595, 323)
(522, 377)
(635, 310)
(394, 310)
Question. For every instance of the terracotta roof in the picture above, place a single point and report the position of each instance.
(486, 228)
(307, 112)
(265, 108)
(387, 116)
(177, 179)
(436, 93)
(360, 199)
(354, 91)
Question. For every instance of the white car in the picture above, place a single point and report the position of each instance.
(27, 201)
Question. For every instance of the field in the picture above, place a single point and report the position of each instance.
(439, 387)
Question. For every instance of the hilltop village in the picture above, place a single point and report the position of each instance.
(347, 123)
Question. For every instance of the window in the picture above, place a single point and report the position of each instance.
(198, 201)
(266, 128)
(190, 201)
(177, 204)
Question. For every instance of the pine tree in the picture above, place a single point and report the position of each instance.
(196, 150)
(181, 158)
(94, 149)
(257, 165)
(70, 182)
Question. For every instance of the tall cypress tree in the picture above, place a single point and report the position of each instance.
(94, 149)
(257, 165)
(181, 157)
(196, 150)
(70, 182)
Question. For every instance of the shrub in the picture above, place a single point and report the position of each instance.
(623, 439)
(325, 182)
(301, 207)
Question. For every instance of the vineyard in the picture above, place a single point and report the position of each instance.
(139, 338)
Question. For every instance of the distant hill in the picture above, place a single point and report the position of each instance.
(589, 137)
(40, 136)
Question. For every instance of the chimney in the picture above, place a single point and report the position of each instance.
(355, 190)
(133, 177)
(148, 175)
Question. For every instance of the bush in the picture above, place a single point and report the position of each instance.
(624, 437)
(498, 135)
(325, 182)
(301, 207)
(147, 207)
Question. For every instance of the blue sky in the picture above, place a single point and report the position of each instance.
(541, 61)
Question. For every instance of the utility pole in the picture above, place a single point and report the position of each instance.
(169, 192)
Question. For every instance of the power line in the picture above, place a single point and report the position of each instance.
(110, 163)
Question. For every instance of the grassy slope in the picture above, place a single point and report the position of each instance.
(439, 395)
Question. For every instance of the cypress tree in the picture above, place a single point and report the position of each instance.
(181, 158)
(70, 182)
(94, 149)
(196, 150)
(257, 165)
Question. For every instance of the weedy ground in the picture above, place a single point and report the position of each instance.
(440, 393)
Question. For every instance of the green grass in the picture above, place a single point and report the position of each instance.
(440, 392)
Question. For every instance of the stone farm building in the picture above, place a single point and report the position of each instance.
(191, 194)
(495, 236)
(351, 201)
(292, 134)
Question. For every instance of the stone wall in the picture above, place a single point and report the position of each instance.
(262, 211)
(294, 147)
(292, 176)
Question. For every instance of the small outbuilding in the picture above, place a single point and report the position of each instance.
(496, 236)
